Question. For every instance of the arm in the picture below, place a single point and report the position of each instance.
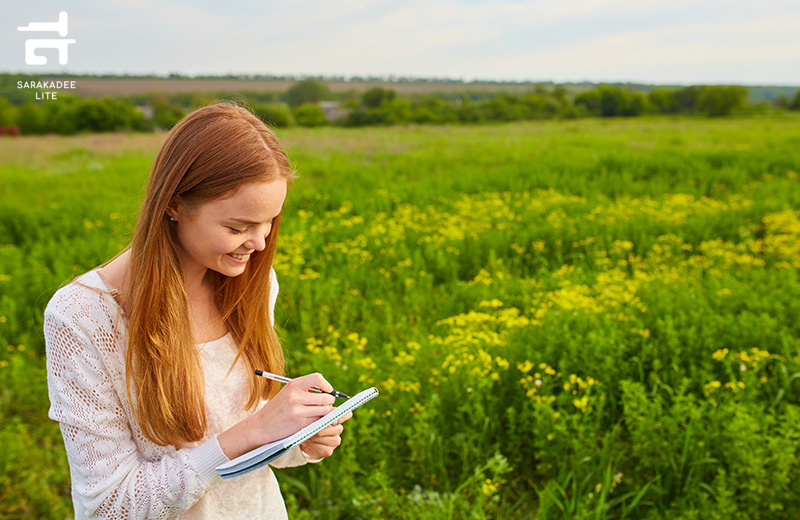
(111, 478)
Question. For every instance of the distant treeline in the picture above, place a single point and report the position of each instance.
(310, 103)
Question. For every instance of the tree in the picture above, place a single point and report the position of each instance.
(781, 101)
(8, 113)
(310, 114)
(561, 94)
(165, 113)
(589, 102)
(379, 106)
(663, 101)
(31, 119)
(433, 110)
(717, 100)
(541, 104)
(610, 101)
(469, 112)
(277, 115)
(637, 104)
(307, 91)
(104, 115)
(795, 103)
(395, 112)
(686, 99)
(60, 117)
(377, 96)
(503, 107)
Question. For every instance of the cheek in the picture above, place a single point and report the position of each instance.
(225, 243)
(197, 241)
(186, 240)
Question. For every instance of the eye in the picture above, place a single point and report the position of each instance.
(235, 231)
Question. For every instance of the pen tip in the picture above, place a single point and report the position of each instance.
(259, 372)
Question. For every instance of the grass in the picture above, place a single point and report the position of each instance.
(589, 319)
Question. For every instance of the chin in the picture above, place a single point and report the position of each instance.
(231, 272)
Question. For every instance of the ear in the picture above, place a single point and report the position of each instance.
(174, 208)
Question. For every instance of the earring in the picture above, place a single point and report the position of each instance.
(172, 219)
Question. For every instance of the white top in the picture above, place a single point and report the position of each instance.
(116, 472)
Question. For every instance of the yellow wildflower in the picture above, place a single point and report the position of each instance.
(720, 354)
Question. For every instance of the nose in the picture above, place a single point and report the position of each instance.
(257, 241)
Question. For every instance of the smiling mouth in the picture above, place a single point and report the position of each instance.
(240, 257)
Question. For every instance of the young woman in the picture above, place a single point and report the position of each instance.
(150, 358)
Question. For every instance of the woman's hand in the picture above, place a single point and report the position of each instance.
(293, 408)
(322, 444)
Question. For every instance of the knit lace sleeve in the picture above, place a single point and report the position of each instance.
(116, 472)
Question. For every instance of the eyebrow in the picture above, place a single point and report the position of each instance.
(249, 222)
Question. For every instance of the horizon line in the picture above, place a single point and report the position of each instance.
(390, 78)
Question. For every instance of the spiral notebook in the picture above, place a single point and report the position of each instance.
(269, 452)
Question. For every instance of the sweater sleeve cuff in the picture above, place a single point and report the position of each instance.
(206, 457)
(307, 457)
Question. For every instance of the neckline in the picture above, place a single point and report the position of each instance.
(218, 340)
(104, 285)
(115, 295)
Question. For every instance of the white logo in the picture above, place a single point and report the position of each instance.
(31, 46)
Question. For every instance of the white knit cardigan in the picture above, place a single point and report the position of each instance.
(116, 472)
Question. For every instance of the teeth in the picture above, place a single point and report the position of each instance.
(239, 257)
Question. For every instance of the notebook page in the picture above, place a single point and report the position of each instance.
(331, 417)
(251, 454)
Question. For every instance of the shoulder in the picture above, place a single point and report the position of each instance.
(84, 304)
(84, 333)
(82, 293)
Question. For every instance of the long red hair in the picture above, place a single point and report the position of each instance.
(208, 155)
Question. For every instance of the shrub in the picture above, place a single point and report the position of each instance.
(795, 103)
(307, 91)
(310, 114)
(276, 115)
(716, 101)
(609, 101)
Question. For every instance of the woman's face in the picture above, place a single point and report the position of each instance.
(222, 234)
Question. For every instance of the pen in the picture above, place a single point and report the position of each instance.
(282, 379)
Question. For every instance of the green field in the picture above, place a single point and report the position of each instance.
(591, 319)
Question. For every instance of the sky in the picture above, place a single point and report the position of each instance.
(675, 42)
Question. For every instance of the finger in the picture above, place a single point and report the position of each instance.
(317, 451)
(315, 412)
(312, 380)
(330, 431)
(317, 399)
(346, 417)
(330, 441)
(299, 396)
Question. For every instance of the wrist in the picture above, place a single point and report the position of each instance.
(239, 439)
